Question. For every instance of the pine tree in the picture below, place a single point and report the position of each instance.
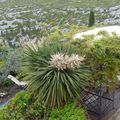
(91, 18)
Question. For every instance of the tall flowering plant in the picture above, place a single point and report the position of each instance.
(55, 74)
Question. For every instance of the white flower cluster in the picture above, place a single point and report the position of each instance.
(62, 61)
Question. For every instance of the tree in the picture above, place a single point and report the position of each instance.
(54, 74)
(91, 18)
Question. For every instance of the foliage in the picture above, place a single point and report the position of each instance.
(6, 83)
(103, 59)
(63, 35)
(83, 46)
(22, 108)
(104, 66)
(49, 84)
(4, 53)
(56, 35)
(12, 59)
(111, 42)
(69, 112)
(91, 19)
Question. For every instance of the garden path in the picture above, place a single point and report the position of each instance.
(109, 29)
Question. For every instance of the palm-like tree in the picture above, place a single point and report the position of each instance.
(54, 73)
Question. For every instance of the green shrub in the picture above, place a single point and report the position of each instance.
(69, 112)
(104, 67)
(22, 108)
(103, 59)
(7, 83)
(2, 114)
(50, 78)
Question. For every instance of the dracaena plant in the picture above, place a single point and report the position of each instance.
(55, 74)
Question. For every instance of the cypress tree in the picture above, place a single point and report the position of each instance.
(91, 18)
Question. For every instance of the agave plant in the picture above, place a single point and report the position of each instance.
(55, 74)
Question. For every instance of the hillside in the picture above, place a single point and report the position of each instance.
(40, 17)
(59, 3)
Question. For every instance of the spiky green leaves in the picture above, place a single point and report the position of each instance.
(53, 86)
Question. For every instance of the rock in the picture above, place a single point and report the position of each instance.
(2, 94)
